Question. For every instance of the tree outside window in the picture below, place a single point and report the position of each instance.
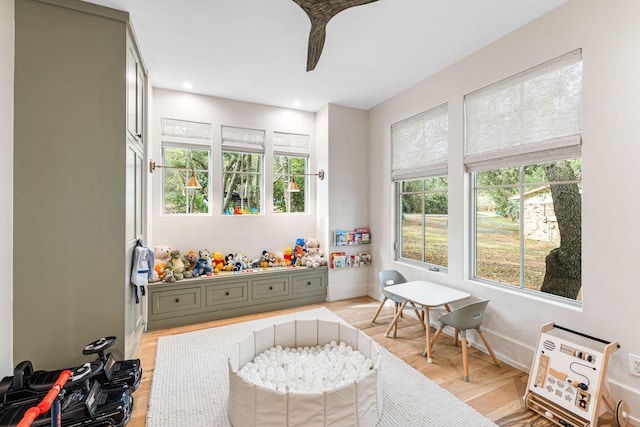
(176, 198)
(284, 170)
(242, 183)
(528, 227)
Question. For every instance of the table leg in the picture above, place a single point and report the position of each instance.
(427, 322)
(395, 320)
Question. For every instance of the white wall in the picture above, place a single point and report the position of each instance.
(6, 177)
(248, 234)
(349, 194)
(609, 35)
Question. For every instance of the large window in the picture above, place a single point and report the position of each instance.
(419, 168)
(185, 148)
(523, 149)
(290, 153)
(242, 164)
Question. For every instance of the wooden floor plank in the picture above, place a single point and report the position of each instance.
(495, 392)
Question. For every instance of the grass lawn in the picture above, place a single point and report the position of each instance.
(498, 248)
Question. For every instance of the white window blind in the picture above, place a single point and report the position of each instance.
(290, 144)
(242, 140)
(185, 133)
(420, 145)
(531, 117)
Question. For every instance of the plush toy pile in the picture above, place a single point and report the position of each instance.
(171, 266)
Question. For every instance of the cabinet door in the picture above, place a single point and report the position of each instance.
(132, 93)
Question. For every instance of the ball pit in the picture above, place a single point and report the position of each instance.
(306, 373)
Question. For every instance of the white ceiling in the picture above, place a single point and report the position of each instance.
(256, 50)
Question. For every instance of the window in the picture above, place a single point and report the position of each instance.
(419, 168)
(523, 149)
(242, 165)
(185, 146)
(290, 153)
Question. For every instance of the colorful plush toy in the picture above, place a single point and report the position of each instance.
(298, 251)
(160, 269)
(168, 277)
(288, 256)
(218, 262)
(204, 253)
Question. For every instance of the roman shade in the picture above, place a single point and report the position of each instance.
(420, 145)
(242, 140)
(290, 144)
(534, 116)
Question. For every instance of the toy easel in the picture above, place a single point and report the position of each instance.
(567, 380)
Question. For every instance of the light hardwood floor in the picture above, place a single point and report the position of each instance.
(493, 391)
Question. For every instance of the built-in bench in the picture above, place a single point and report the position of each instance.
(230, 294)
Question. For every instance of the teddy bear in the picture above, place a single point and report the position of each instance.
(161, 255)
(177, 265)
(191, 257)
(218, 262)
(314, 257)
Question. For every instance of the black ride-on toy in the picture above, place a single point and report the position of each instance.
(115, 371)
(84, 401)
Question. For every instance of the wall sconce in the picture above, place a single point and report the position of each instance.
(293, 187)
(191, 183)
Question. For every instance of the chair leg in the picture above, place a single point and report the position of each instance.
(379, 309)
(491, 353)
(455, 336)
(435, 337)
(465, 358)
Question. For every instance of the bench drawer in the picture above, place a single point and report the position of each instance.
(308, 284)
(270, 288)
(227, 293)
(176, 300)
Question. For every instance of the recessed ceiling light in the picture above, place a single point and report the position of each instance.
(187, 85)
(296, 103)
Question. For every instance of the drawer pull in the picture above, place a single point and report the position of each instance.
(308, 283)
(226, 293)
(270, 288)
(177, 299)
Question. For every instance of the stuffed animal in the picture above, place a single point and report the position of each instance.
(298, 251)
(160, 269)
(200, 267)
(314, 257)
(168, 277)
(161, 255)
(218, 262)
(264, 259)
(229, 264)
(204, 253)
(191, 257)
(177, 265)
(288, 256)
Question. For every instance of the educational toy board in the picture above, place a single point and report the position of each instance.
(567, 371)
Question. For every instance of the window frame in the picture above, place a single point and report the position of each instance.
(301, 181)
(431, 266)
(522, 186)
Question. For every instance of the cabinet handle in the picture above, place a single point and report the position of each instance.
(270, 288)
(308, 283)
(177, 299)
(226, 293)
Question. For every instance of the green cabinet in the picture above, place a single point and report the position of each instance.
(217, 297)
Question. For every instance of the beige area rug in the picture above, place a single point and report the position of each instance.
(190, 384)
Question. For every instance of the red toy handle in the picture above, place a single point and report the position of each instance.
(35, 411)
